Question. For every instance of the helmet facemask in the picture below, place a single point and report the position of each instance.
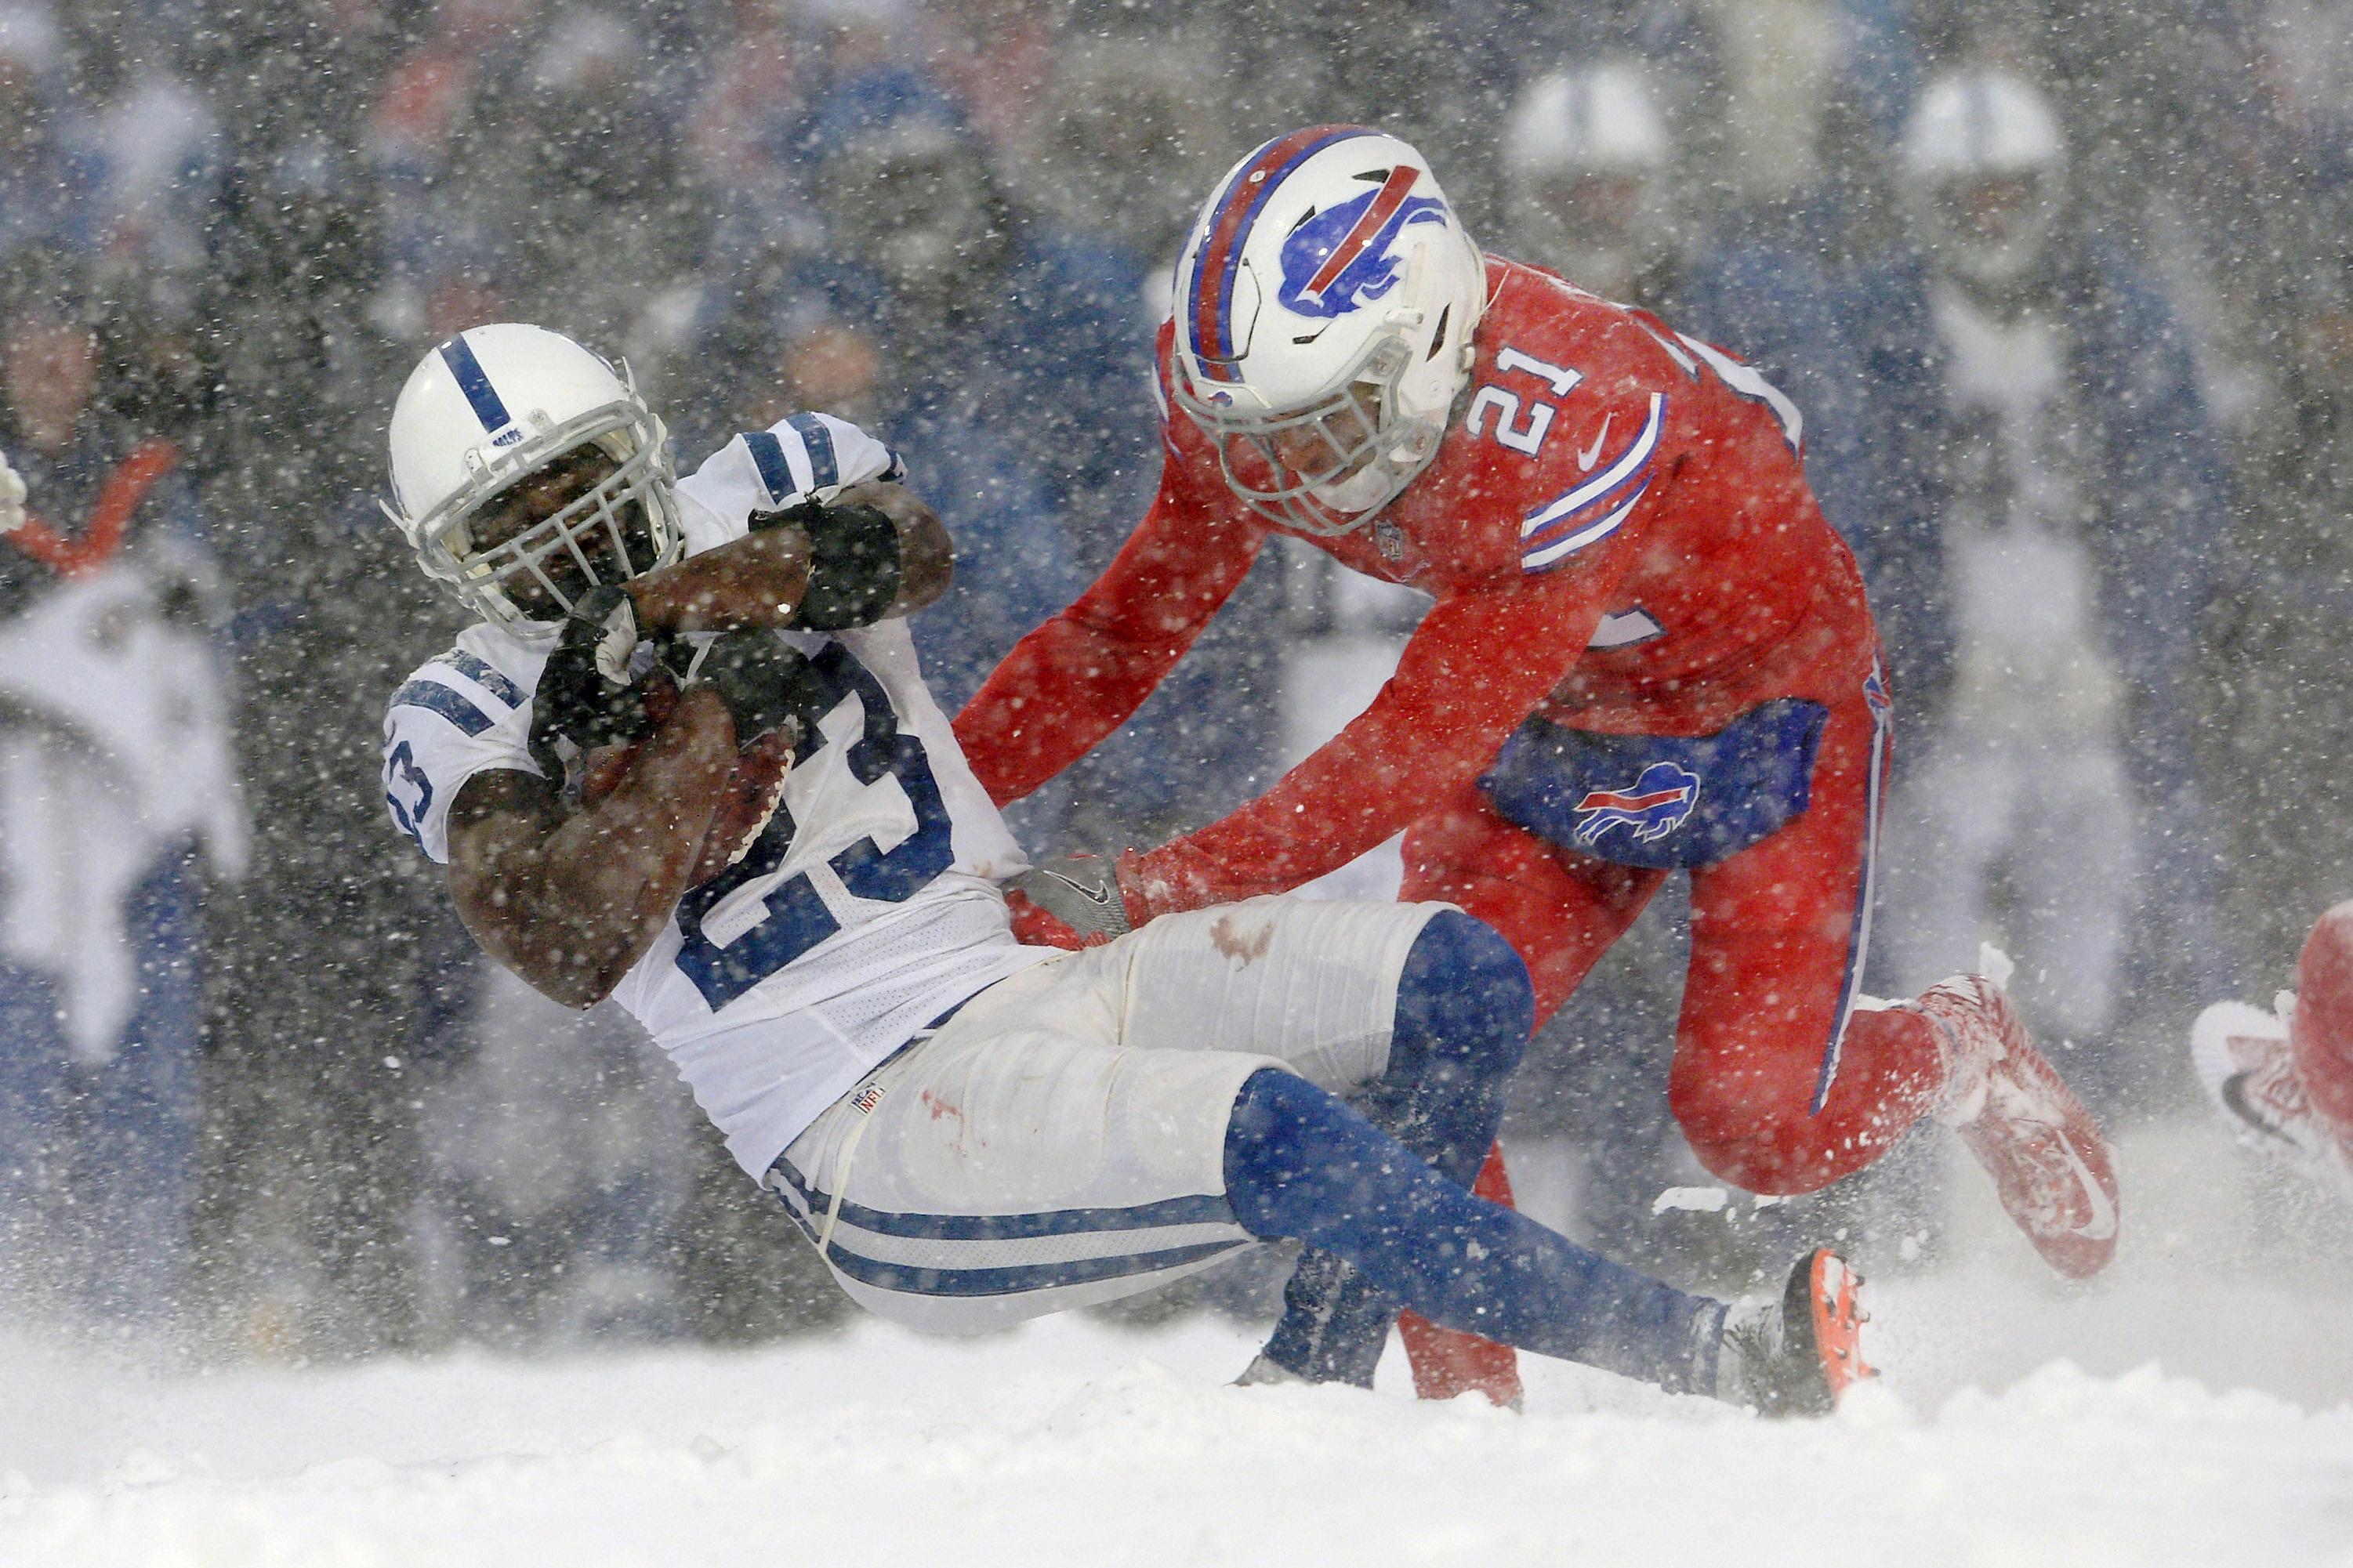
(1323, 469)
(1991, 229)
(623, 526)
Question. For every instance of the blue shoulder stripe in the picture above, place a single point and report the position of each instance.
(447, 700)
(768, 456)
(483, 676)
(823, 470)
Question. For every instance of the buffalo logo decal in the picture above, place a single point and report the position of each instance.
(1338, 259)
(1660, 802)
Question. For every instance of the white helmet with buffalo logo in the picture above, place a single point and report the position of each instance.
(1325, 304)
(495, 405)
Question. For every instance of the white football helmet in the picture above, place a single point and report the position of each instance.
(496, 403)
(1325, 304)
(1586, 154)
(1985, 165)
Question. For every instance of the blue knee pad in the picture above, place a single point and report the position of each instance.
(1464, 1011)
(1464, 1008)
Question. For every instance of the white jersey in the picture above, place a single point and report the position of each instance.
(2030, 659)
(866, 911)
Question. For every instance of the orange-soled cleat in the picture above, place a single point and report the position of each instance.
(1797, 1354)
(1834, 1294)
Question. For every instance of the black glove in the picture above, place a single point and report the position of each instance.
(586, 698)
(854, 561)
(767, 684)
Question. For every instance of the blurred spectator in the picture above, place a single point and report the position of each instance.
(2084, 489)
(877, 62)
(753, 99)
(442, 123)
(2280, 728)
(1124, 148)
(744, 126)
(999, 56)
(116, 784)
(1588, 167)
(2306, 49)
(602, 229)
(47, 175)
(158, 142)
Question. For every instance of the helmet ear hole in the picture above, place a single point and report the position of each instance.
(1437, 338)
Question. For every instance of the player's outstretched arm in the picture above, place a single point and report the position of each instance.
(1478, 663)
(1077, 677)
(872, 552)
(570, 899)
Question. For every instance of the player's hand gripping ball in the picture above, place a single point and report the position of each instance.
(768, 692)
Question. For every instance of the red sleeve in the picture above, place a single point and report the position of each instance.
(1480, 662)
(1077, 677)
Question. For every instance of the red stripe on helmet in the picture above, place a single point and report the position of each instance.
(1213, 266)
(1368, 227)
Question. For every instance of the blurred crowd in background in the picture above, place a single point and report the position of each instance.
(2066, 296)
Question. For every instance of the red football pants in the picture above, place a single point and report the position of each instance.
(1772, 1094)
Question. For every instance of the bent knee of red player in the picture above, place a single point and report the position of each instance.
(1758, 1142)
(1786, 1115)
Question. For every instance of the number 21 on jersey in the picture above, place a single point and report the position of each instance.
(1528, 435)
(1510, 431)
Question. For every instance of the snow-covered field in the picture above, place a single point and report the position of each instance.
(2182, 1411)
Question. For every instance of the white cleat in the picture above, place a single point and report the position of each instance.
(2242, 1059)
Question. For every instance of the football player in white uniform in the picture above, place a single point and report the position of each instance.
(686, 758)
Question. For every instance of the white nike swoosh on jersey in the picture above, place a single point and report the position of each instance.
(1592, 455)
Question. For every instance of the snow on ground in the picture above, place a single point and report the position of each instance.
(2182, 1410)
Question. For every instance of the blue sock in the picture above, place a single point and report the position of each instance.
(1464, 1009)
(1299, 1164)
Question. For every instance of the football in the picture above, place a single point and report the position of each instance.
(753, 792)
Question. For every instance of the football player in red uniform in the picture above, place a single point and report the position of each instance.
(1647, 652)
(2283, 1079)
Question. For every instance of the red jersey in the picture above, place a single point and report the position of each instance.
(1617, 534)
